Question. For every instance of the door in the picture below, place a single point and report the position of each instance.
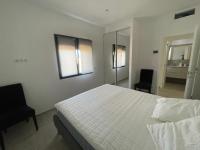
(193, 76)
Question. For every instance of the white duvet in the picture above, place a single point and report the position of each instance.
(182, 135)
(111, 117)
(173, 109)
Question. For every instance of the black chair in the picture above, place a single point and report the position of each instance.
(146, 76)
(13, 108)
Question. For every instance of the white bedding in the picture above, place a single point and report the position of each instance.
(174, 109)
(111, 117)
(181, 135)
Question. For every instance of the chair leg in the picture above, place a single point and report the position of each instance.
(35, 122)
(2, 141)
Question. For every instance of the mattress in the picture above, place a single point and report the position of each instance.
(111, 117)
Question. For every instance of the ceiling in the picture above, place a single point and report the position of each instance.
(104, 12)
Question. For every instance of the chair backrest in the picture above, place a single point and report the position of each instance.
(146, 76)
(11, 97)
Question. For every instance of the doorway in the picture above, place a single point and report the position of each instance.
(174, 65)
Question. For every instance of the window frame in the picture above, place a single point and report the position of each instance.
(56, 36)
(113, 56)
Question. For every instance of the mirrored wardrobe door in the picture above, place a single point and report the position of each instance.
(121, 57)
(109, 41)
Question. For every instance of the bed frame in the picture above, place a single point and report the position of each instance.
(73, 138)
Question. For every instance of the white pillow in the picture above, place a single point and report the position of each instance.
(182, 135)
(173, 109)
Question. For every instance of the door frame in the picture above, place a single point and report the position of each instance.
(163, 56)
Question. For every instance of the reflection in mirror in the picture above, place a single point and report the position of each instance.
(116, 57)
(121, 56)
(123, 45)
(179, 55)
(109, 72)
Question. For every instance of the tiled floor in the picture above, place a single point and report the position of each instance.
(23, 136)
(123, 83)
(172, 90)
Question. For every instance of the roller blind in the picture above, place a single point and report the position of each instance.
(85, 56)
(67, 55)
(74, 56)
(121, 56)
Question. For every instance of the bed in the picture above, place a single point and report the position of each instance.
(107, 118)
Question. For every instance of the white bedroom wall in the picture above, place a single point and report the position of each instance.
(119, 25)
(26, 32)
(153, 31)
(135, 37)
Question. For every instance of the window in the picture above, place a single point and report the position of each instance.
(121, 56)
(74, 56)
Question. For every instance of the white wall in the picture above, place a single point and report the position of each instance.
(109, 40)
(26, 32)
(119, 25)
(135, 35)
(152, 33)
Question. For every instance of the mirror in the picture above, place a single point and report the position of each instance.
(109, 72)
(179, 55)
(116, 57)
(123, 46)
(180, 52)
